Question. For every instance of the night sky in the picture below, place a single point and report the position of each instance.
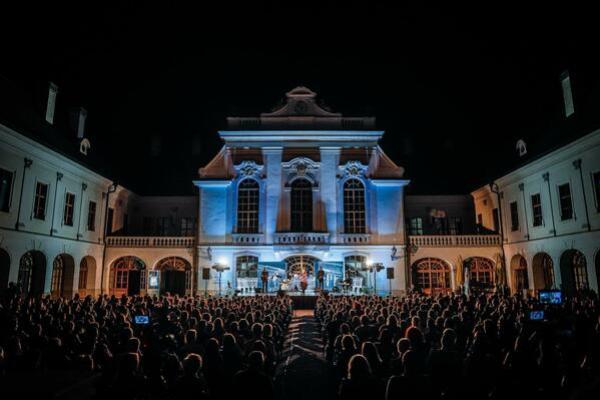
(453, 88)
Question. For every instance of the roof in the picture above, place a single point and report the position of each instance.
(300, 110)
(20, 112)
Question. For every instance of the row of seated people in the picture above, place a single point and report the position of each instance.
(461, 347)
(211, 347)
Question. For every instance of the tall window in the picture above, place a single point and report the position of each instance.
(187, 226)
(69, 208)
(566, 203)
(25, 272)
(536, 207)
(58, 273)
(431, 275)
(247, 207)
(580, 271)
(83, 274)
(416, 226)
(596, 183)
(301, 206)
(247, 266)
(6, 181)
(514, 216)
(354, 206)
(91, 220)
(456, 226)
(496, 219)
(39, 202)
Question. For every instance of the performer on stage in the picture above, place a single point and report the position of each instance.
(264, 277)
(303, 282)
(320, 278)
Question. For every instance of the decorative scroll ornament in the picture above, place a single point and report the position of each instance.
(353, 168)
(301, 167)
(249, 169)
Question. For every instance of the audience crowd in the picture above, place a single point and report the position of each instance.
(462, 347)
(209, 347)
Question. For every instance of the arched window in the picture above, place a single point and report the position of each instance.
(128, 276)
(58, 271)
(247, 207)
(247, 266)
(520, 276)
(301, 206)
(83, 274)
(25, 271)
(573, 266)
(431, 275)
(543, 271)
(481, 272)
(354, 206)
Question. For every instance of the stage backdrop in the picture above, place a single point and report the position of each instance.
(333, 273)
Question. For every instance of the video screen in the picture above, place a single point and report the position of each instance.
(536, 315)
(141, 319)
(550, 296)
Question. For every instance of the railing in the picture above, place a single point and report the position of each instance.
(248, 238)
(301, 238)
(150, 241)
(355, 238)
(455, 240)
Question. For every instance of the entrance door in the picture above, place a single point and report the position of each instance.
(173, 282)
(133, 288)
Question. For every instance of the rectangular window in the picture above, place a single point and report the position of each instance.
(514, 216)
(148, 225)
(69, 209)
(496, 219)
(187, 226)
(480, 219)
(6, 182)
(456, 226)
(91, 220)
(109, 221)
(39, 202)
(536, 207)
(596, 184)
(566, 203)
(163, 226)
(416, 226)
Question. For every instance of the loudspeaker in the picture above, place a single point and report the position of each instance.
(206, 273)
(390, 273)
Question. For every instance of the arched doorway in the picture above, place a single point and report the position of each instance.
(481, 274)
(431, 275)
(127, 276)
(175, 276)
(543, 271)
(87, 276)
(296, 266)
(520, 278)
(32, 273)
(573, 271)
(4, 268)
(63, 269)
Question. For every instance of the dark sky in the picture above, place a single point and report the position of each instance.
(453, 88)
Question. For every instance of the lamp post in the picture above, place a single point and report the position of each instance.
(220, 268)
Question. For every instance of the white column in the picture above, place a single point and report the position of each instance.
(272, 157)
(330, 157)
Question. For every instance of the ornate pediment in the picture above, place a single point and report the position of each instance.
(301, 167)
(352, 168)
(247, 169)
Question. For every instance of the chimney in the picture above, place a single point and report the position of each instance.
(51, 104)
(81, 117)
(565, 82)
